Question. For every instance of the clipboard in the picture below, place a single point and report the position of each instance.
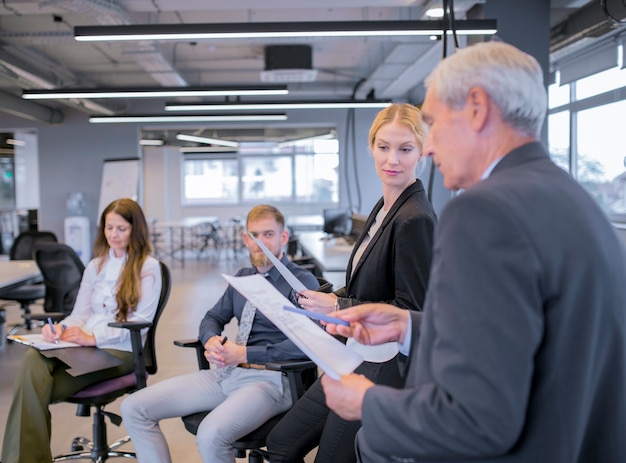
(79, 359)
(37, 341)
(84, 359)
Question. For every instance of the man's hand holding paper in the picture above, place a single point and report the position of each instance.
(345, 396)
(327, 352)
(372, 324)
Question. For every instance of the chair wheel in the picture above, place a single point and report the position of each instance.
(77, 446)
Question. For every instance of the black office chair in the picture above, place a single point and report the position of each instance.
(301, 374)
(27, 294)
(62, 271)
(103, 393)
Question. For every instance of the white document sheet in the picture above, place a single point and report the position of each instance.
(327, 352)
(37, 341)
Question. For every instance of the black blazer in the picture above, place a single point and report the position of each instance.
(396, 264)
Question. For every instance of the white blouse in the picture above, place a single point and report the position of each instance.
(95, 305)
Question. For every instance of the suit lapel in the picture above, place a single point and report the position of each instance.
(406, 194)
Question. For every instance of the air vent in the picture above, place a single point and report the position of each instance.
(288, 63)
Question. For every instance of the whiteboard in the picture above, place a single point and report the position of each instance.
(120, 179)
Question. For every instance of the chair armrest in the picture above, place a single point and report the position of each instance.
(137, 346)
(203, 363)
(187, 343)
(290, 365)
(133, 326)
(300, 374)
(43, 317)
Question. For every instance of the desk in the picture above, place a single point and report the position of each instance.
(17, 272)
(330, 255)
(178, 227)
(14, 273)
(300, 223)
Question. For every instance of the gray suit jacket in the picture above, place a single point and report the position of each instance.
(520, 354)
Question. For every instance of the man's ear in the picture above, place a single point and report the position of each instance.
(246, 239)
(284, 237)
(479, 105)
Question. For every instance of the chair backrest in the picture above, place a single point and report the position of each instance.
(149, 349)
(62, 272)
(24, 245)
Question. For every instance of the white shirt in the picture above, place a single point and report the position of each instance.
(380, 216)
(382, 352)
(95, 305)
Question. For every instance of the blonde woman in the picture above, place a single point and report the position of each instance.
(390, 263)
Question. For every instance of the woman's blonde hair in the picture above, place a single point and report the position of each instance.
(128, 291)
(403, 113)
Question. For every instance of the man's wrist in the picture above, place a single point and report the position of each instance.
(404, 338)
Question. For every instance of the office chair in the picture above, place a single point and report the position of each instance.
(27, 294)
(62, 271)
(103, 393)
(301, 374)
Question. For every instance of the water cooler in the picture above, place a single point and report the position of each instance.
(76, 226)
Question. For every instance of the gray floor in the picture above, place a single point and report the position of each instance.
(196, 287)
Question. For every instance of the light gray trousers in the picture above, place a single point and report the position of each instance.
(239, 404)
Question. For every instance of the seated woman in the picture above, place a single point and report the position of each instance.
(121, 283)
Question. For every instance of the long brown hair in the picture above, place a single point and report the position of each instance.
(128, 291)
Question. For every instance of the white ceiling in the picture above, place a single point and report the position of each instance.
(37, 48)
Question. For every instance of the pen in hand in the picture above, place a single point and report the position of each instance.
(56, 340)
(224, 339)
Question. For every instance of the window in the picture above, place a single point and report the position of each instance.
(210, 181)
(602, 155)
(297, 173)
(601, 82)
(266, 177)
(558, 95)
(558, 136)
(586, 135)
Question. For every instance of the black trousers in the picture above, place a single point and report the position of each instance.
(311, 423)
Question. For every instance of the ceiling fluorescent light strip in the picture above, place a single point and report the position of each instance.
(170, 118)
(326, 136)
(278, 106)
(279, 30)
(207, 149)
(206, 140)
(150, 142)
(154, 92)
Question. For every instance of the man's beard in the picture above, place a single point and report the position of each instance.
(259, 260)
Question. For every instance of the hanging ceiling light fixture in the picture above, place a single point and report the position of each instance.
(159, 92)
(188, 118)
(206, 149)
(207, 141)
(279, 30)
(274, 105)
